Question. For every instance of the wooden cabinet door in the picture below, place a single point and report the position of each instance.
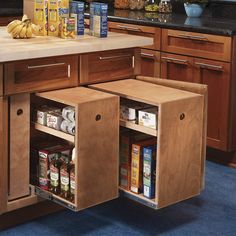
(176, 67)
(3, 154)
(150, 63)
(217, 76)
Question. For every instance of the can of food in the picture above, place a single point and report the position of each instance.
(67, 27)
(54, 120)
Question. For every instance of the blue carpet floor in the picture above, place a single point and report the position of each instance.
(211, 213)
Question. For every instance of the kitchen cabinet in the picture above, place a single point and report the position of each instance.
(150, 63)
(179, 144)
(5, 20)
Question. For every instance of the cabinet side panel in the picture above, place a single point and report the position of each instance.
(1, 80)
(3, 154)
(98, 139)
(19, 146)
(179, 150)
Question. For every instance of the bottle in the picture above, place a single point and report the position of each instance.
(165, 6)
(121, 4)
(54, 167)
(136, 4)
(65, 176)
(72, 177)
(151, 6)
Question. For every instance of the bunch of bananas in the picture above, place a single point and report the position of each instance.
(22, 29)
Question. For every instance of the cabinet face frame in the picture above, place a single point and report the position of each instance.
(3, 154)
(201, 67)
(198, 39)
(1, 80)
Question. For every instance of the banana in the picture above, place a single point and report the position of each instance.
(25, 17)
(16, 31)
(29, 31)
(12, 25)
(22, 33)
(35, 29)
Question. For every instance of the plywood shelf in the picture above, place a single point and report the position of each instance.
(54, 132)
(140, 128)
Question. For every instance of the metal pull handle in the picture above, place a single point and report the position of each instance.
(147, 55)
(175, 60)
(194, 37)
(129, 28)
(52, 65)
(115, 57)
(209, 66)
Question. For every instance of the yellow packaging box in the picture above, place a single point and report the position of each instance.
(41, 16)
(56, 10)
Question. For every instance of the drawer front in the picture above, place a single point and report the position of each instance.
(41, 74)
(1, 80)
(150, 63)
(106, 66)
(146, 31)
(196, 44)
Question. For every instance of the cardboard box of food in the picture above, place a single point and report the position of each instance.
(41, 16)
(77, 11)
(148, 117)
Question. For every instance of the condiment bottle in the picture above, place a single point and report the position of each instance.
(165, 6)
(136, 4)
(65, 176)
(54, 167)
(151, 6)
(72, 177)
(121, 4)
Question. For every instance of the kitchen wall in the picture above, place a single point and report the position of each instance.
(11, 4)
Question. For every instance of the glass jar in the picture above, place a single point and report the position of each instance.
(165, 6)
(151, 6)
(121, 4)
(136, 4)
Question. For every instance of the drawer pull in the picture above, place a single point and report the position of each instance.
(19, 112)
(114, 57)
(209, 66)
(194, 37)
(46, 65)
(147, 55)
(175, 60)
(98, 117)
(129, 28)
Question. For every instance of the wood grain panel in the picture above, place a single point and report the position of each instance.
(41, 74)
(19, 146)
(195, 88)
(5, 20)
(97, 143)
(150, 63)
(29, 8)
(3, 154)
(196, 44)
(179, 163)
(1, 80)
(147, 31)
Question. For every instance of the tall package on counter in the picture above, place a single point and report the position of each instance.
(41, 16)
(149, 171)
(98, 19)
(56, 10)
(77, 11)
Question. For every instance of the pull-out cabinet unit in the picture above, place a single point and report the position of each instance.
(95, 142)
(179, 133)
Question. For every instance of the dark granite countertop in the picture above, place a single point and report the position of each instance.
(11, 12)
(205, 24)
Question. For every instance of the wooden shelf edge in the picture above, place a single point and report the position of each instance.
(55, 132)
(139, 198)
(139, 128)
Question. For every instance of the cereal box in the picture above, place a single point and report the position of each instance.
(41, 16)
(137, 164)
(68, 27)
(149, 171)
(56, 10)
(148, 117)
(77, 11)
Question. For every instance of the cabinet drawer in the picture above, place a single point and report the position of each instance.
(1, 80)
(196, 44)
(41, 74)
(105, 66)
(146, 31)
(96, 157)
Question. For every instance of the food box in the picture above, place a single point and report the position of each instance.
(148, 117)
(46, 155)
(137, 164)
(77, 11)
(149, 171)
(129, 110)
(42, 114)
(68, 27)
(98, 19)
(41, 16)
(56, 10)
(54, 120)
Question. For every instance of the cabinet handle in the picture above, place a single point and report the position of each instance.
(175, 60)
(194, 37)
(114, 57)
(209, 66)
(129, 28)
(46, 65)
(147, 55)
